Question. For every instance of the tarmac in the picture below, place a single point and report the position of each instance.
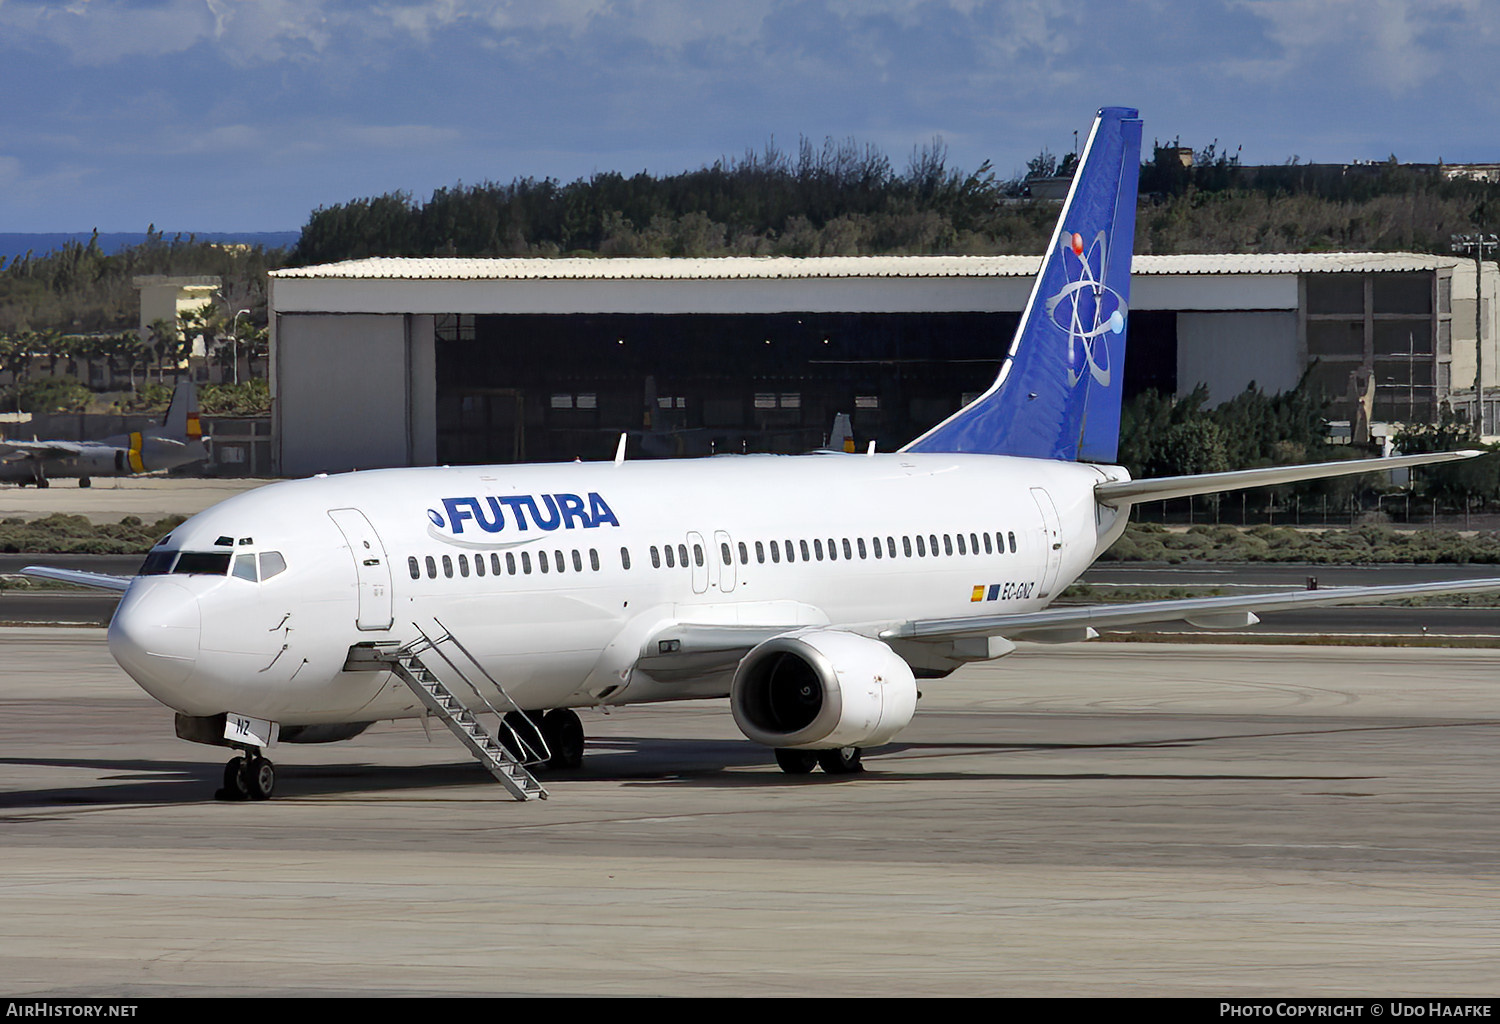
(1078, 820)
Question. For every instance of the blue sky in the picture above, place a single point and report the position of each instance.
(244, 115)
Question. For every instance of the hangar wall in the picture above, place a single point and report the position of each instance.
(327, 365)
(1227, 350)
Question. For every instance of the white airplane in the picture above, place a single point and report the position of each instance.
(177, 442)
(813, 591)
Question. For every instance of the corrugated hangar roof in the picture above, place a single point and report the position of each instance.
(459, 268)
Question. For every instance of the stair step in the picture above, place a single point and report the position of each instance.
(467, 728)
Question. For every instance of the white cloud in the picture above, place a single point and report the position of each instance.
(1390, 45)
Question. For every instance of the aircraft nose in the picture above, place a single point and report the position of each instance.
(154, 636)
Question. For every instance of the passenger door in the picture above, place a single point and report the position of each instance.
(724, 552)
(697, 551)
(374, 575)
(1051, 539)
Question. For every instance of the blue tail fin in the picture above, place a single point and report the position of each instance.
(1058, 392)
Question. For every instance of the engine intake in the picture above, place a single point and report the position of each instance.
(820, 689)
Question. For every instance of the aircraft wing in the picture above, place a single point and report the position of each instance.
(14, 450)
(1073, 622)
(101, 580)
(1116, 492)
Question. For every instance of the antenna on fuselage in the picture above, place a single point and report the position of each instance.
(620, 449)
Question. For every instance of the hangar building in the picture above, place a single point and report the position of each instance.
(407, 361)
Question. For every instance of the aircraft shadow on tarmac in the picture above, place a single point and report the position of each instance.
(629, 761)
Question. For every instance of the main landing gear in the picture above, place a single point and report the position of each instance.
(248, 777)
(839, 761)
(561, 729)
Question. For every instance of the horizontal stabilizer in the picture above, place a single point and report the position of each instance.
(101, 580)
(1132, 491)
(1219, 612)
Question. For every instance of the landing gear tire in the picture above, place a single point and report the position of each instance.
(248, 778)
(564, 733)
(236, 781)
(84, 481)
(260, 778)
(796, 762)
(841, 761)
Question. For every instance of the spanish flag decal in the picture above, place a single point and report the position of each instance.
(978, 594)
(194, 428)
(136, 465)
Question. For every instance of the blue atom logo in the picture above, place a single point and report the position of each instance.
(1086, 310)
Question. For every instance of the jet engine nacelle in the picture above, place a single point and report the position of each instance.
(819, 689)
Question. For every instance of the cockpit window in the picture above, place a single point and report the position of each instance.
(157, 563)
(202, 563)
(244, 567)
(271, 563)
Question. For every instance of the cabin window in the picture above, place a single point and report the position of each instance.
(495, 563)
(760, 553)
(861, 542)
(961, 549)
(682, 555)
(818, 549)
(803, 545)
(989, 548)
(671, 558)
(788, 550)
(906, 546)
(414, 567)
(244, 567)
(932, 544)
(875, 543)
(431, 568)
(1012, 542)
(594, 559)
(510, 562)
(921, 547)
(463, 566)
(655, 557)
(775, 550)
(698, 554)
(974, 543)
(448, 566)
(559, 561)
(744, 554)
(526, 562)
(542, 563)
(890, 546)
(725, 553)
(478, 565)
(625, 558)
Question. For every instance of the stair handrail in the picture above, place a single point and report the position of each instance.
(522, 742)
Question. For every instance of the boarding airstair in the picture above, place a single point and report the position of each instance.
(499, 758)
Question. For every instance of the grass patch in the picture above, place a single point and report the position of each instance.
(64, 534)
(1363, 545)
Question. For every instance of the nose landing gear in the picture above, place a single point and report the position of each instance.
(251, 777)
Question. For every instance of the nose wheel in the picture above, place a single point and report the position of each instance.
(248, 778)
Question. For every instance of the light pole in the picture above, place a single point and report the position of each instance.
(1478, 245)
(234, 335)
